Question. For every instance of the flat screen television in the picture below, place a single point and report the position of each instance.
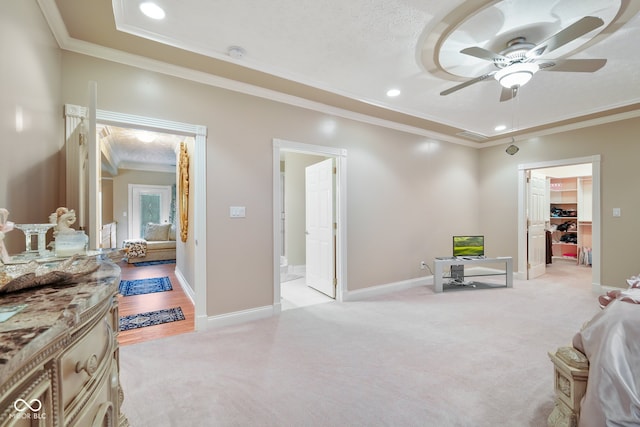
(468, 246)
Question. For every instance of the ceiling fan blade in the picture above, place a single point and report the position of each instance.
(508, 93)
(467, 83)
(573, 65)
(566, 35)
(482, 53)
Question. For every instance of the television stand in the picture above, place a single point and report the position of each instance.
(461, 283)
(457, 265)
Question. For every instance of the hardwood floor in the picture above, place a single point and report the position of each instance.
(149, 302)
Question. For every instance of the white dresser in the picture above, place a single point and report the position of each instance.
(59, 355)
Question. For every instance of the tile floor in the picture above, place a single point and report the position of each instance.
(295, 294)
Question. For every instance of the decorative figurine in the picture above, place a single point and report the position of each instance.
(5, 227)
(63, 218)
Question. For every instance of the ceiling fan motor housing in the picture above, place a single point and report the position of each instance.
(515, 52)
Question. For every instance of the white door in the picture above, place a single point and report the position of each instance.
(320, 259)
(148, 203)
(537, 207)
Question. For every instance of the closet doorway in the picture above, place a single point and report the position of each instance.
(567, 216)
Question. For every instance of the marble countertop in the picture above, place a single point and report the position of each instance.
(49, 313)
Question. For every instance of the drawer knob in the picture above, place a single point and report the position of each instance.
(90, 365)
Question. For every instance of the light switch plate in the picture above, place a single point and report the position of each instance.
(616, 212)
(237, 212)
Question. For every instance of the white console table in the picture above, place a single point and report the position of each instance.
(441, 263)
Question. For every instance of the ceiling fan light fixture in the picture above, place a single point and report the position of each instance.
(516, 75)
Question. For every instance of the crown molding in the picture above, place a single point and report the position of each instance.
(65, 42)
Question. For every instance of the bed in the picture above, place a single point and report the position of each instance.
(597, 379)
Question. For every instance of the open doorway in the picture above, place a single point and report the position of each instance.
(563, 222)
(304, 279)
(300, 258)
(139, 178)
(139, 195)
(192, 268)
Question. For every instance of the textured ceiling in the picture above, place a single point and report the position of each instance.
(137, 149)
(348, 54)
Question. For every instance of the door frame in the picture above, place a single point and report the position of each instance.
(199, 191)
(595, 160)
(340, 156)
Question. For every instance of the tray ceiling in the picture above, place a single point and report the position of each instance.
(349, 54)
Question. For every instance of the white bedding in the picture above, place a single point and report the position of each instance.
(611, 342)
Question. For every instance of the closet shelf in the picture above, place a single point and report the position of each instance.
(568, 197)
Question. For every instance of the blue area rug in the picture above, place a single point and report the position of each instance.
(144, 286)
(148, 263)
(151, 318)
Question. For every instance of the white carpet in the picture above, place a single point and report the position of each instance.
(412, 358)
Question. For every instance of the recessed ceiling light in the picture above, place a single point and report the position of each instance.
(499, 128)
(393, 93)
(152, 10)
(145, 136)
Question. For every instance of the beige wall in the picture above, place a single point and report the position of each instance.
(401, 208)
(121, 194)
(31, 125)
(617, 145)
(406, 194)
(294, 199)
(107, 200)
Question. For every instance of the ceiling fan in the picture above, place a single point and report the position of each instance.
(517, 64)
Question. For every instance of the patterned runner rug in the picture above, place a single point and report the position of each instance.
(145, 286)
(148, 263)
(151, 318)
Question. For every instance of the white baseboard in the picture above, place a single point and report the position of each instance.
(242, 316)
(258, 313)
(300, 270)
(378, 290)
(185, 286)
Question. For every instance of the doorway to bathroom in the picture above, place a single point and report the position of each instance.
(309, 219)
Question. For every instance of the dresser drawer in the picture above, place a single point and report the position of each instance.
(86, 361)
(98, 410)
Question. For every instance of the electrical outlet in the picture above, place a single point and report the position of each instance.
(423, 265)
